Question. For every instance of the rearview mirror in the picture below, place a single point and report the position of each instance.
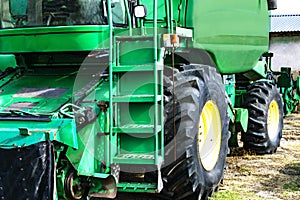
(140, 11)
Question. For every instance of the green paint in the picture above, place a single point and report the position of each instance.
(7, 60)
(236, 33)
(54, 39)
(258, 72)
(60, 130)
(45, 89)
(242, 119)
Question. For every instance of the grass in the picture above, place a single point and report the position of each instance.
(291, 186)
(245, 169)
(228, 195)
(231, 195)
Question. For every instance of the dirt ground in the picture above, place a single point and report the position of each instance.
(274, 176)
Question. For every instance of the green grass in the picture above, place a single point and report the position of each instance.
(292, 186)
(228, 195)
(245, 169)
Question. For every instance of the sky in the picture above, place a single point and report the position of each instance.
(287, 7)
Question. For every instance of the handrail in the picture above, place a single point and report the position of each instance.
(110, 23)
(128, 17)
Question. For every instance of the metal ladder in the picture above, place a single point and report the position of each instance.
(136, 104)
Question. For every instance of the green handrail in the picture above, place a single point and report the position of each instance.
(110, 24)
(155, 39)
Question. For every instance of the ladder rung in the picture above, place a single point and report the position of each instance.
(128, 68)
(136, 98)
(133, 38)
(134, 159)
(136, 128)
(137, 187)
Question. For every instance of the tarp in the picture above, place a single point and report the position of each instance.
(27, 172)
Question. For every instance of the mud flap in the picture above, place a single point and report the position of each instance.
(27, 172)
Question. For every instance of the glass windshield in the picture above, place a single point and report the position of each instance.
(31, 13)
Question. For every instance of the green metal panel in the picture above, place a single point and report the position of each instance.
(259, 71)
(136, 54)
(160, 12)
(137, 187)
(135, 143)
(242, 119)
(7, 60)
(60, 130)
(54, 39)
(236, 33)
(44, 91)
(298, 85)
(84, 158)
(136, 83)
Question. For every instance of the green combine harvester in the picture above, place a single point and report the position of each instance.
(99, 97)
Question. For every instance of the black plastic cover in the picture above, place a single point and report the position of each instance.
(27, 172)
(272, 4)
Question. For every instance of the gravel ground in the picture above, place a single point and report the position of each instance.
(274, 176)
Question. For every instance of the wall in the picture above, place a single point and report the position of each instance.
(286, 51)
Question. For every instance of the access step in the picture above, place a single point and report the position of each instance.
(136, 98)
(136, 128)
(137, 187)
(147, 159)
(136, 68)
(133, 38)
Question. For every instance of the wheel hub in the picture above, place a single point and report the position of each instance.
(74, 187)
(209, 135)
(273, 120)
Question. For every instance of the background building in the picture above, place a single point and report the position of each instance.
(285, 40)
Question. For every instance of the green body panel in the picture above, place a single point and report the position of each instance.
(298, 85)
(236, 33)
(242, 119)
(25, 133)
(259, 71)
(7, 60)
(137, 187)
(38, 91)
(54, 39)
(85, 158)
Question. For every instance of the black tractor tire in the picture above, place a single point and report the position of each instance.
(184, 174)
(265, 107)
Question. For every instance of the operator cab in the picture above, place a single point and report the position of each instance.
(37, 13)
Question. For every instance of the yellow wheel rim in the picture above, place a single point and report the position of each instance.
(209, 135)
(273, 120)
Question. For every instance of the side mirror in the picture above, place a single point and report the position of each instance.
(272, 4)
(140, 11)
